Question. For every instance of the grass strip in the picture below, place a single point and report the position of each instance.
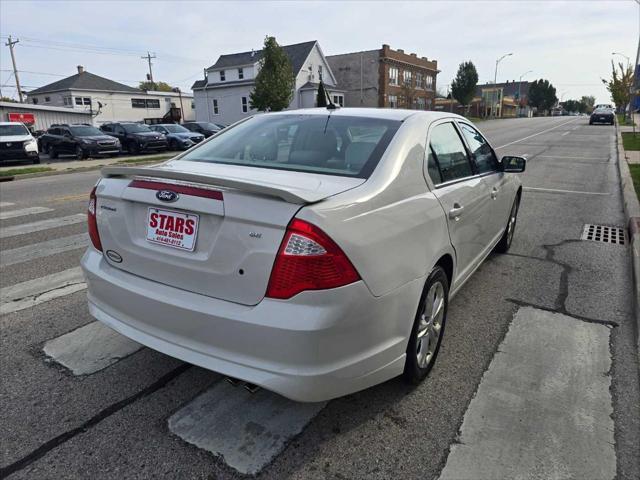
(23, 171)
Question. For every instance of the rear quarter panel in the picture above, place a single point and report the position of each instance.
(392, 227)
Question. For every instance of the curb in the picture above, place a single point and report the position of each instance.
(25, 176)
(632, 217)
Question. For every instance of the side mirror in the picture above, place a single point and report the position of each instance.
(512, 164)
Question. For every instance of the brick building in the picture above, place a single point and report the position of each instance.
(386, 78)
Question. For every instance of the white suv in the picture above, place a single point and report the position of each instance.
(17, 143)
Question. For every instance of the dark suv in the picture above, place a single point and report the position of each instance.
(80, 140)
(136, 137)
(205, 128)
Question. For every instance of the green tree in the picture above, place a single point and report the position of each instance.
(274, 82)
(321, 101)
(463, 87)
(157, 86)
(542, 95)
(588, 101)
(571, 105)
(619, 85)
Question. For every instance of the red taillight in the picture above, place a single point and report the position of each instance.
(308, 260)
(92, 221)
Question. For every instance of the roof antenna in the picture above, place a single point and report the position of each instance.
(330, 104)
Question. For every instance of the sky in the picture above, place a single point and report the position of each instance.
(570, 43)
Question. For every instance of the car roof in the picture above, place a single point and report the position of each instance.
(12, 123)
(382, 113)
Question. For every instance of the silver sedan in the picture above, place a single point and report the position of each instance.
(311, 252)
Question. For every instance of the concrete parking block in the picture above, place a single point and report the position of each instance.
(90, 349)
(247, 429)
(543, 408)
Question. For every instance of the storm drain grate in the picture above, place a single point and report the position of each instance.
(603, 233)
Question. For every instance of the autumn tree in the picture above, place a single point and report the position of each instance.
(155, 86)
(619, 85)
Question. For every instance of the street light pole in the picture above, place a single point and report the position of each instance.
(519, 84)
(495, 81)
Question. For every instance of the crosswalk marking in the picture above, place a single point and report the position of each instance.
(90, 349)
(33, 292)
(23, 211)
(25, 228)
(43, 249)
(247, 430)
(6, 204)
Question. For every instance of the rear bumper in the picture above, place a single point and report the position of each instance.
(313, 347)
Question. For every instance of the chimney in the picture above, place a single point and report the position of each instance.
(80, 69)
(400, 50)
(414, 55)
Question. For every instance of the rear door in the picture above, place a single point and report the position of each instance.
(487, 166)
(463, 195)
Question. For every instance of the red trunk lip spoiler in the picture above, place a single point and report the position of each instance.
(177, 188)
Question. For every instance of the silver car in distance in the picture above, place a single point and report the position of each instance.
(310, 252)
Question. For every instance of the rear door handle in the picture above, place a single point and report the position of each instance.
(494, 193)
(454, 213)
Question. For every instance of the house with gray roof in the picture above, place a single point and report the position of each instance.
(223, 95)
(109, 101)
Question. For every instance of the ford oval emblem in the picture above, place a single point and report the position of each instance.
(167, 195)
(113, 256)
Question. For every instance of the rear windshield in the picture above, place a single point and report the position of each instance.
(135, 127)
(333, 145)
(176, 129)
(9, 130)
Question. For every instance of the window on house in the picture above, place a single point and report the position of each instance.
(338, 100)
(47, 99)
(215, 106)
(320, 72)
(35, 101)
(393, 76)
(153, 103)
(240, 73)
(193, 105)
(67, 101)
(393, 101)
(407, 77)
(222, 76)
(419, 80)
(78, 100)
(245, 105)
(135, 103)
(429, 81)
(420, 103)
(86, 100)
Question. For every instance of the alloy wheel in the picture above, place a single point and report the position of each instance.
(430, 326)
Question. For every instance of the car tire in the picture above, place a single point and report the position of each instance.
(133, 148)
(428, 327)
(507, 237)
(36, 160)
(80, 155)
(173, 145)
(53, 153)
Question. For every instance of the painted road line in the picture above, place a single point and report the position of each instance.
(555, 190)
(33, 292)
(543, 408)
(565, 133)
(573, 158)
(68, 198)
(6, 204)
(24, 211)
(90, 349)
(43, 249)
(534, 135)
(247, 429)
(25, 228)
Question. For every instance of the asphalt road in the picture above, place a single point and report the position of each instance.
(113, 423)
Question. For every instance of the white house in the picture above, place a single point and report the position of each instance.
(110, 101)
(223, 96)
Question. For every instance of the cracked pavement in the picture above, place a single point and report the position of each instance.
(113, 423)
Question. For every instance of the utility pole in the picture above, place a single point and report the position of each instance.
(148, 58)
(10, 44)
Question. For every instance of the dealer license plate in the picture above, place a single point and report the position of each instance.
(173, 229)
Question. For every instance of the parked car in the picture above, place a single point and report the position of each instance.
(607, 106)
(136, 137)
(311, 253)
(179, 138)
(602, 115)
(205, 128)
(83, 141)
(17, 143)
